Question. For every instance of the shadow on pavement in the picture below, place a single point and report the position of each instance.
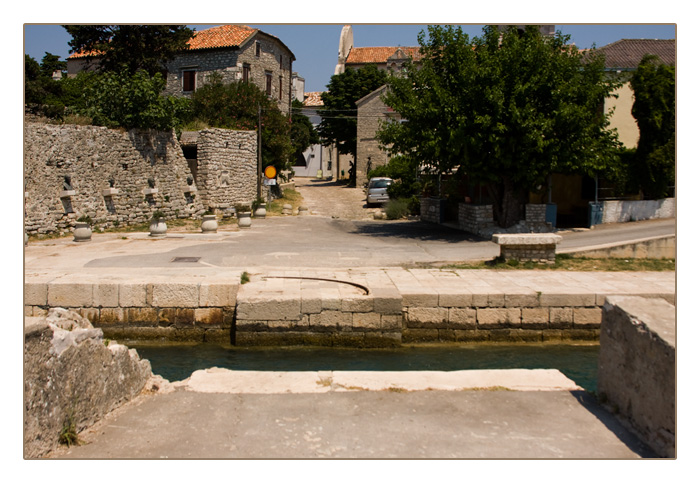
(416, 230)
(613, 424)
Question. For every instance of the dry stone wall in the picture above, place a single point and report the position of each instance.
(114, 177)
(226, 167)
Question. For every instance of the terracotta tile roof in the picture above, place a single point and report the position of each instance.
(378, 55)
(313, 99)
(627, 53)
(223, 36)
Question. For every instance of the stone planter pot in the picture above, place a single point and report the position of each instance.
(209, 224)
(260, 212)
(244, 219)
(158, 227)
(82, 232)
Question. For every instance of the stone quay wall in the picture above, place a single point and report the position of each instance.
(114, 177)
(286, 311)
(226, 167)
(72, 378)
(637, 368)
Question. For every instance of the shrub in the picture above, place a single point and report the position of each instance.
(397, 209)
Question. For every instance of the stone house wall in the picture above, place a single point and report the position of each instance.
(274, 59)
(70, 171)
(370, 111)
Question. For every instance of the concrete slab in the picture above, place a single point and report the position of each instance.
(360, 424)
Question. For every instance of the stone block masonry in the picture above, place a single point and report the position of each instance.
(402, 306)
(637, 368)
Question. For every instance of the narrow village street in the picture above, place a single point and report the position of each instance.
(328, 198)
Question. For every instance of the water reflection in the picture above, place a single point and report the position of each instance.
(177, 361)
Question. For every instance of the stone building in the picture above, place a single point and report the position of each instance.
(237, 52)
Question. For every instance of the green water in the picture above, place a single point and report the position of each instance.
(176, 362)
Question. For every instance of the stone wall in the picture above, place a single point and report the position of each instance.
(624, 211)
(226, 167)
(106, 174)
(314, 312)
(370, 111)
(637, 368)
(475, 218)
(72, 378)
(432, 210)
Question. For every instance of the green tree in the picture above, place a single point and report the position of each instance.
(303, 133)
(654, 108)
(120, 99)
(506, 109)
(235, 106)
(339, 114)
(42, 94)
(130, 47)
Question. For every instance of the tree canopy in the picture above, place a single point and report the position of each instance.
(339, 113)
(506, 109)
(130, 47)
(654, 108)
(235, 106)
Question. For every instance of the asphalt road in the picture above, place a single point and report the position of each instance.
(315, 242)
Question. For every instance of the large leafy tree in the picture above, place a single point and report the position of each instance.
(130, 47)
(506, 109)
(42, 93)
(654, 108)
(339, 114)
(235, 106)
(120, 99)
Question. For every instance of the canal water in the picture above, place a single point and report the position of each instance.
(175, 362)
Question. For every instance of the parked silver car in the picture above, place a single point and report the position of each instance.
(377, 190)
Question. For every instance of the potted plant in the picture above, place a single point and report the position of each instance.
(259, 209)
(243, 215)
(83, 229)
(209, 223)
(158, 226)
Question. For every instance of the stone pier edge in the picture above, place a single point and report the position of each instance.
(223, 311)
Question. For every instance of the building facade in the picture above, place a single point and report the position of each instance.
(236, 52)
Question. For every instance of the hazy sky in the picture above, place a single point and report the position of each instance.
(316, 46)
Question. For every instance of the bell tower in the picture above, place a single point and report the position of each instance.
(344, 47)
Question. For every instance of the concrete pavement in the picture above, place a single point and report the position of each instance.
(360, 424)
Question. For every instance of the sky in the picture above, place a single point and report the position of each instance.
(315, 46)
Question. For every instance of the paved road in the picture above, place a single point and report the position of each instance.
(304, 241)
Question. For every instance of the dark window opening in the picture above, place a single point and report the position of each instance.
(246, 72)
(268, 83)
(280, 93)
(257, 49)
(188, 80)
